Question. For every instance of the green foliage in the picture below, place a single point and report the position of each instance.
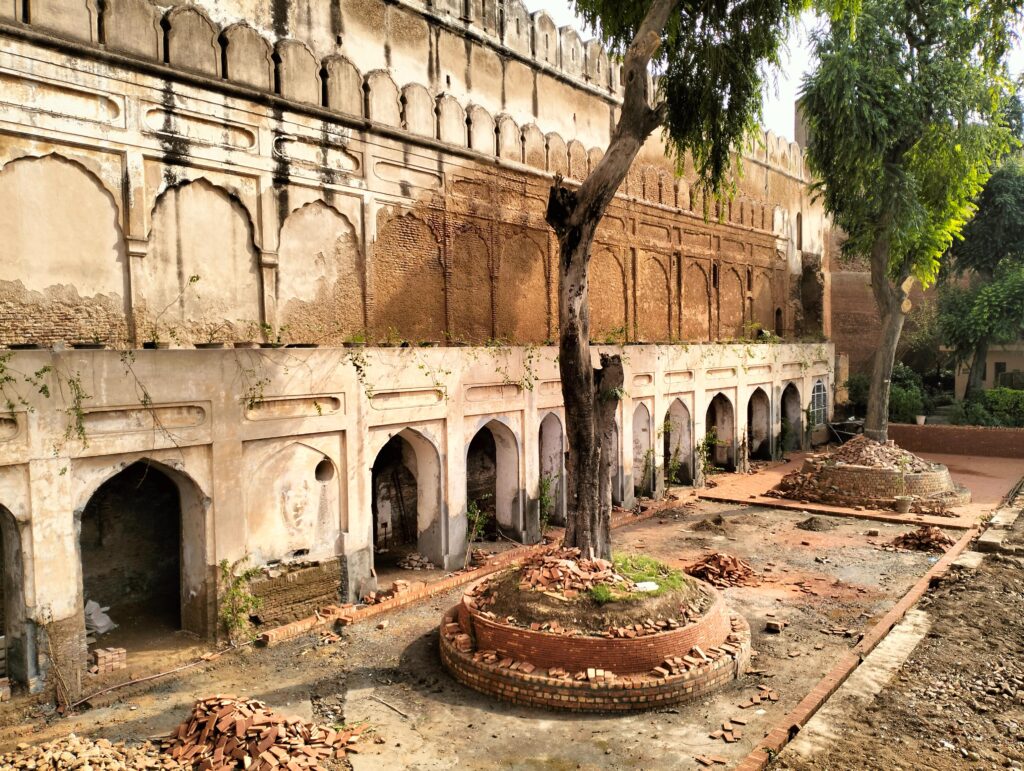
(546, 499)
(705, 452)
(905, 125)
(1005, 406)
(990, 307)
(970, 413)
(905, 403)
(478, 518)
(638, 568)
(858, 386)
(601, 594)
(712, 61)
(237, 602)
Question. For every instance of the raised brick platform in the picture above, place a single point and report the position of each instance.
(876, 484)
(537, 668)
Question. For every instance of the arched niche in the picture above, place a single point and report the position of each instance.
(644, 462)
(731, 305)
(677, 447)
(406, 501)
(759, 426)
(201, 277)
(408, 280)
(552, 468)
(607, 295)
(522, 292)
(654, 306)
(469, 288)
(294, 507)
(696, 304)
(142, 549)
(492, 476)
(720, 426)
(63, 254)
(319, 279)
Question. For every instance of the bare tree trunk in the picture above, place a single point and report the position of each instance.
(893, 307)
(574, 214)
(976, 377)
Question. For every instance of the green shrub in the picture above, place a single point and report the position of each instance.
(905, 377)
(1006, 406)
(905, 402)
(970, 413)
(857, 386)
(601, 594)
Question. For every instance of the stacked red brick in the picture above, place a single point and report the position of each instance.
(224, 732)
(106, 660)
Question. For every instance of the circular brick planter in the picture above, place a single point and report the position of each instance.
(876, 484)
(594, 674)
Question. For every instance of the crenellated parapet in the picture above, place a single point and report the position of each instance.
(478, 74)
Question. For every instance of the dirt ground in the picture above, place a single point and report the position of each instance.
(836, 578)
(958, 700)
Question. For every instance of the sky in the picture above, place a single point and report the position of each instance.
(782, 85)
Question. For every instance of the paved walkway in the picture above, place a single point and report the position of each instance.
(988, 479)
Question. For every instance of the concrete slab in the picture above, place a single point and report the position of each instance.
(863, 685)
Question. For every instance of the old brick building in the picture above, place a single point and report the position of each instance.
(299, 173)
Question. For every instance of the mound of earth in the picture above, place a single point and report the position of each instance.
(816, 525)
(715, 524)
(592, 597)
(861, 451)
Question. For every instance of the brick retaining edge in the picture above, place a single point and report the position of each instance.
(626, 693)
(784, 731)
(348, 615)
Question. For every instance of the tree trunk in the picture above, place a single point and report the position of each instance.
(590, 395)
(976, 377)
(893, 307)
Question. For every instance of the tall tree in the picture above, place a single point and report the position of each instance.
(711, 59)
(905, 125)
(991, 256)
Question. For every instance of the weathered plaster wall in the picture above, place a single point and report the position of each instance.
(311, 166)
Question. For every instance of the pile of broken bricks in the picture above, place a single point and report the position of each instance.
(224, 732)
(105, 660)
(925, 538)
(480, 557)
(723, 571)
(416, 562)
(563, 571)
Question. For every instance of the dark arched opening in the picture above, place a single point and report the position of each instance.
(13, 631)
(394, 504)
(678, 445)
(131, 552)
(792, 419)
(720, 427)
(759, 426)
